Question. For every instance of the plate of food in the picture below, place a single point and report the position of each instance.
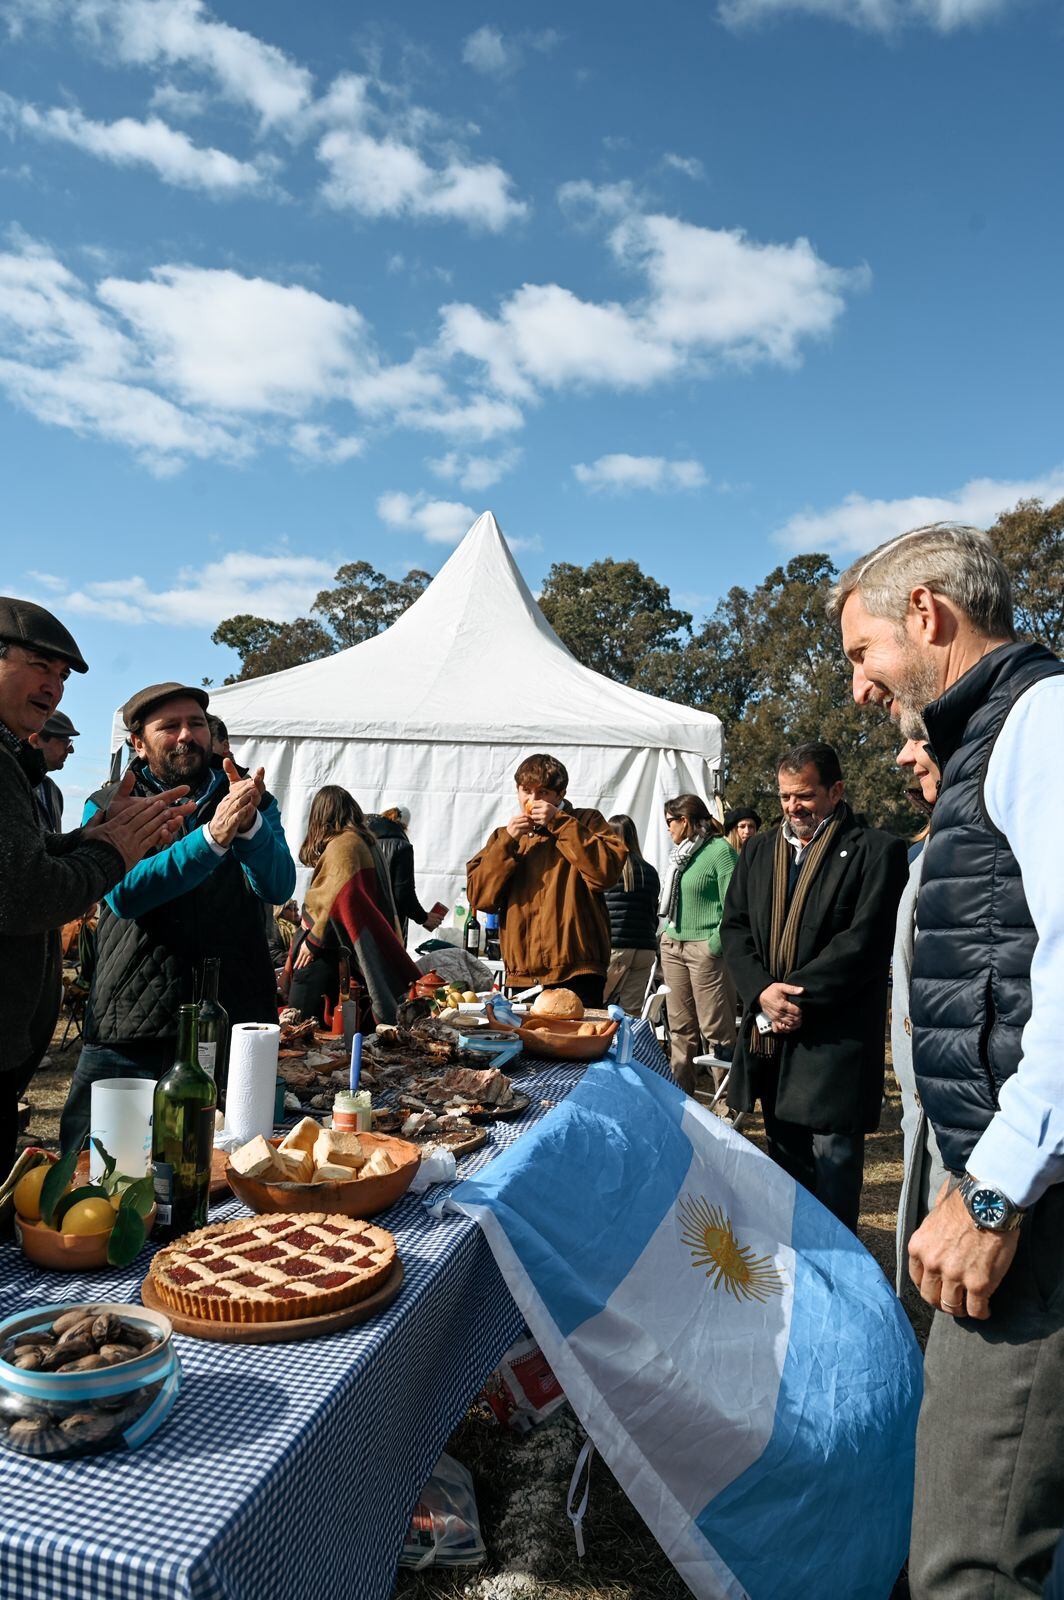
(557, 1027)
(323, 1169)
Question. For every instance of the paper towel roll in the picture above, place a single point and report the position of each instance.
(252, 1084)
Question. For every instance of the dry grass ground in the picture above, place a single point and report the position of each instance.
(521, 1482)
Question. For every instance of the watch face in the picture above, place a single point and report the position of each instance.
(989, 1208)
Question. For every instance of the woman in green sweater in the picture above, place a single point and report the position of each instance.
(701, 995)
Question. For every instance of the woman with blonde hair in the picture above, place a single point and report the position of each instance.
(348, 906)
(632, 904)
(740, 824)
(701, 1002)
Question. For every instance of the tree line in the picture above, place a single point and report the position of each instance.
(766, 661)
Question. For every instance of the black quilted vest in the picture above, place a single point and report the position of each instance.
(970, 991)
(147, 966)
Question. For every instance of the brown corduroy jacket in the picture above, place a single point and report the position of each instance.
(548, 891)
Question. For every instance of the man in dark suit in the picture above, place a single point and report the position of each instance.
(807, 933)
(55, 742)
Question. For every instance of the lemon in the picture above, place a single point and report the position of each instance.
(95, 1215)
(28, 1191)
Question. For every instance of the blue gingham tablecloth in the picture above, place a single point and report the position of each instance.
(286, 1471)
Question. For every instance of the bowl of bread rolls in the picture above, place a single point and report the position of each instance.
(556, 1027)
(323, 1169)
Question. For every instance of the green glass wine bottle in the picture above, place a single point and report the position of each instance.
(212, 1029)
(182, 1137)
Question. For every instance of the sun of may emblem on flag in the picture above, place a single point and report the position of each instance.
(729, 1264)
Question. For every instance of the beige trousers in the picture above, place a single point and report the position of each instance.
(626, 979)
(701, 1003)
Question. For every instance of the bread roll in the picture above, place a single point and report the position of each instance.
(558, 1003)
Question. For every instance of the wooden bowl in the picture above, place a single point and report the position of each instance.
(559, 1038)
(66, 1252)
(359, 1197)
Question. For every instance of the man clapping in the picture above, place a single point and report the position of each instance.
(200, 896)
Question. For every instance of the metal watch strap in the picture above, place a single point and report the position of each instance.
(1013, 1213)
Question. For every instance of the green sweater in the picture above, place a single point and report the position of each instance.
(702, 890)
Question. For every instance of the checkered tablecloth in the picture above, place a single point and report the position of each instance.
(286, 1471)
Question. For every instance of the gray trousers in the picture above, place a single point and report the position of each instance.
(989, 1503)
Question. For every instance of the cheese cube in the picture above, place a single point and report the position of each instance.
(379, 1165)
(297, 1165)
(256, 1159)
(333, 1174)
(301, 1138)
(336, 1148)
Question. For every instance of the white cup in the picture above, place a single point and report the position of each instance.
(120, 1117)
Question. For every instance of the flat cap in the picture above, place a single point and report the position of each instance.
(138, 705)
(58, 726)
(21, 622)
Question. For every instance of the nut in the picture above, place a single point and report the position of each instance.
(66, 1351)
(69, 1319)
(30, 1360)
(106, 1328)
(89, 1363)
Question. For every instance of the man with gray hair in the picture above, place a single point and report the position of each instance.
(927, 625)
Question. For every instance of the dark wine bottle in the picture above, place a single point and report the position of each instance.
(182, 1137)
(472, 933)
(212, 1029)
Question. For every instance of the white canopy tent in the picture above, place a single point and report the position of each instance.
(436, 713)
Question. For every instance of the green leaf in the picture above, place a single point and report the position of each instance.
(127, 1236)
(109, 1162)
(55, 1184)
(87, 1191)
(140, 1196)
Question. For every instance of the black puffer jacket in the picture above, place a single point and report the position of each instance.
(634, 912)
(398, 856)
(970, 991)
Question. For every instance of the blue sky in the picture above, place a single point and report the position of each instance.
(707, 285)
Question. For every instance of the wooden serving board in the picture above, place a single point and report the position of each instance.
(472, 1142)
(219, 1189)
(277, 1332)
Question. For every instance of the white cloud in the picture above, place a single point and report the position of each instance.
(173, 101)
(242, 344)
(321, 446)
(857, 524)
(690, 166)
(127, 143)
(710, 295)
(439, 521)
(490, 52)
(880, 16)
(278, 587)
(385, 176)
(183, 33)
(474, 472)
(481, 418)
(621, 473)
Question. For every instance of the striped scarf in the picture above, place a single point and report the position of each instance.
(787, 920)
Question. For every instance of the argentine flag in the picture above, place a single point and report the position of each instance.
(735, 1354)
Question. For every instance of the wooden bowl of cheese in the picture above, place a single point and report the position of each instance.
(321, 1169)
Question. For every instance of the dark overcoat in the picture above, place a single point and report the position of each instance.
(831, 1069)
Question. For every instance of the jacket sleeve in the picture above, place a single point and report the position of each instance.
(846, 961)
(488, 873)
(407, 903)
(182, 866)
(597, 853)
(50, 879)
(266, 859)
(738, 944)
(723, 867)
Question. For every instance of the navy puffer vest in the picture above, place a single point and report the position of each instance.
(147, 966)
(970, 993)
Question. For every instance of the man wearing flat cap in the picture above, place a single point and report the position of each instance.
(200, 896)
(47, 878)
(55, 742)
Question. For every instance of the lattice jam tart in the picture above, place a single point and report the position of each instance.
(274, 1268)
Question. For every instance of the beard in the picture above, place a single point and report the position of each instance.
(184, 763)
(915, 687)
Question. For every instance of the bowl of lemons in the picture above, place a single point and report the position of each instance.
(77, 1227)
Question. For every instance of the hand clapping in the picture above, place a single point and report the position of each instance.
(236, 813)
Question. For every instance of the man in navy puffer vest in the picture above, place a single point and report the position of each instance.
(927, 624)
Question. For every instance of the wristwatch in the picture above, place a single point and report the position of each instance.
(989, 1209)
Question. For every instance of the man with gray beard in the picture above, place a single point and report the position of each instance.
(927, 625)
